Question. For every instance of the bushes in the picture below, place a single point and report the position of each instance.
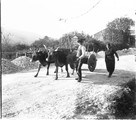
(9, 55)
(9, 51)
(123, 101)
(120, 46)
(95, 45)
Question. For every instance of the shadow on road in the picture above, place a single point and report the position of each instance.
(100, 76)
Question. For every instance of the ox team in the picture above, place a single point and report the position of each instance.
(62, 57)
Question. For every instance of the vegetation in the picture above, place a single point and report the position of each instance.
(118, 33)
(9, 50)
(68, 41)
(95, 45)
(123, 102)
(49, 42)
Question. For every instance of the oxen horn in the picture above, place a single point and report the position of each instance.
(45, 46)
(38, 50)
(34, 52)
(57, 49)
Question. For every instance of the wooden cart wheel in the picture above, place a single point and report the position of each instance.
(92, 62)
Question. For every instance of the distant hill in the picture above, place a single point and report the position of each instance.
(18, 36)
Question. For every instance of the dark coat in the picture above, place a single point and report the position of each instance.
(110, 59)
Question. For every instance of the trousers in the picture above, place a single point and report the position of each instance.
(79, 64)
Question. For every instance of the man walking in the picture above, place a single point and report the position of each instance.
(81, 58)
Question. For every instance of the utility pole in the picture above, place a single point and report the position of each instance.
(0, 80)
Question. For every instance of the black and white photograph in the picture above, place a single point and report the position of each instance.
(68, 59)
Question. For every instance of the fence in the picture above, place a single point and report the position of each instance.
(13, 55)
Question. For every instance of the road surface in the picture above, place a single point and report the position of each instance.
(25, 97)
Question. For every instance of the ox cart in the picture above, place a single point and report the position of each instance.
(91, 61)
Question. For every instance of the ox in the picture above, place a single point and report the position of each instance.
(62, 57)
(41, 56)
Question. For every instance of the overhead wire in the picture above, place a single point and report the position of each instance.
(66, 19)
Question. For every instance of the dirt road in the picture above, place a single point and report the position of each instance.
(25, 96)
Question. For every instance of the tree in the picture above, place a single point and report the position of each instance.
(67, 41)
(19, 47)
(117, 31)
(5, 41)
(49, 42)
(94, 45)
(7, 48)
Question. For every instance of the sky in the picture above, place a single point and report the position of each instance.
(54, 18)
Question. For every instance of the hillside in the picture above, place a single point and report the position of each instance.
(18, 36)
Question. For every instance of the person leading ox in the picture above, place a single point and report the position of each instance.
(81, 58)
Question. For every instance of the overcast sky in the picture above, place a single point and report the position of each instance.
(57, 17)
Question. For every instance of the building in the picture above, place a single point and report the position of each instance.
(132, 32)
(99, 35)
